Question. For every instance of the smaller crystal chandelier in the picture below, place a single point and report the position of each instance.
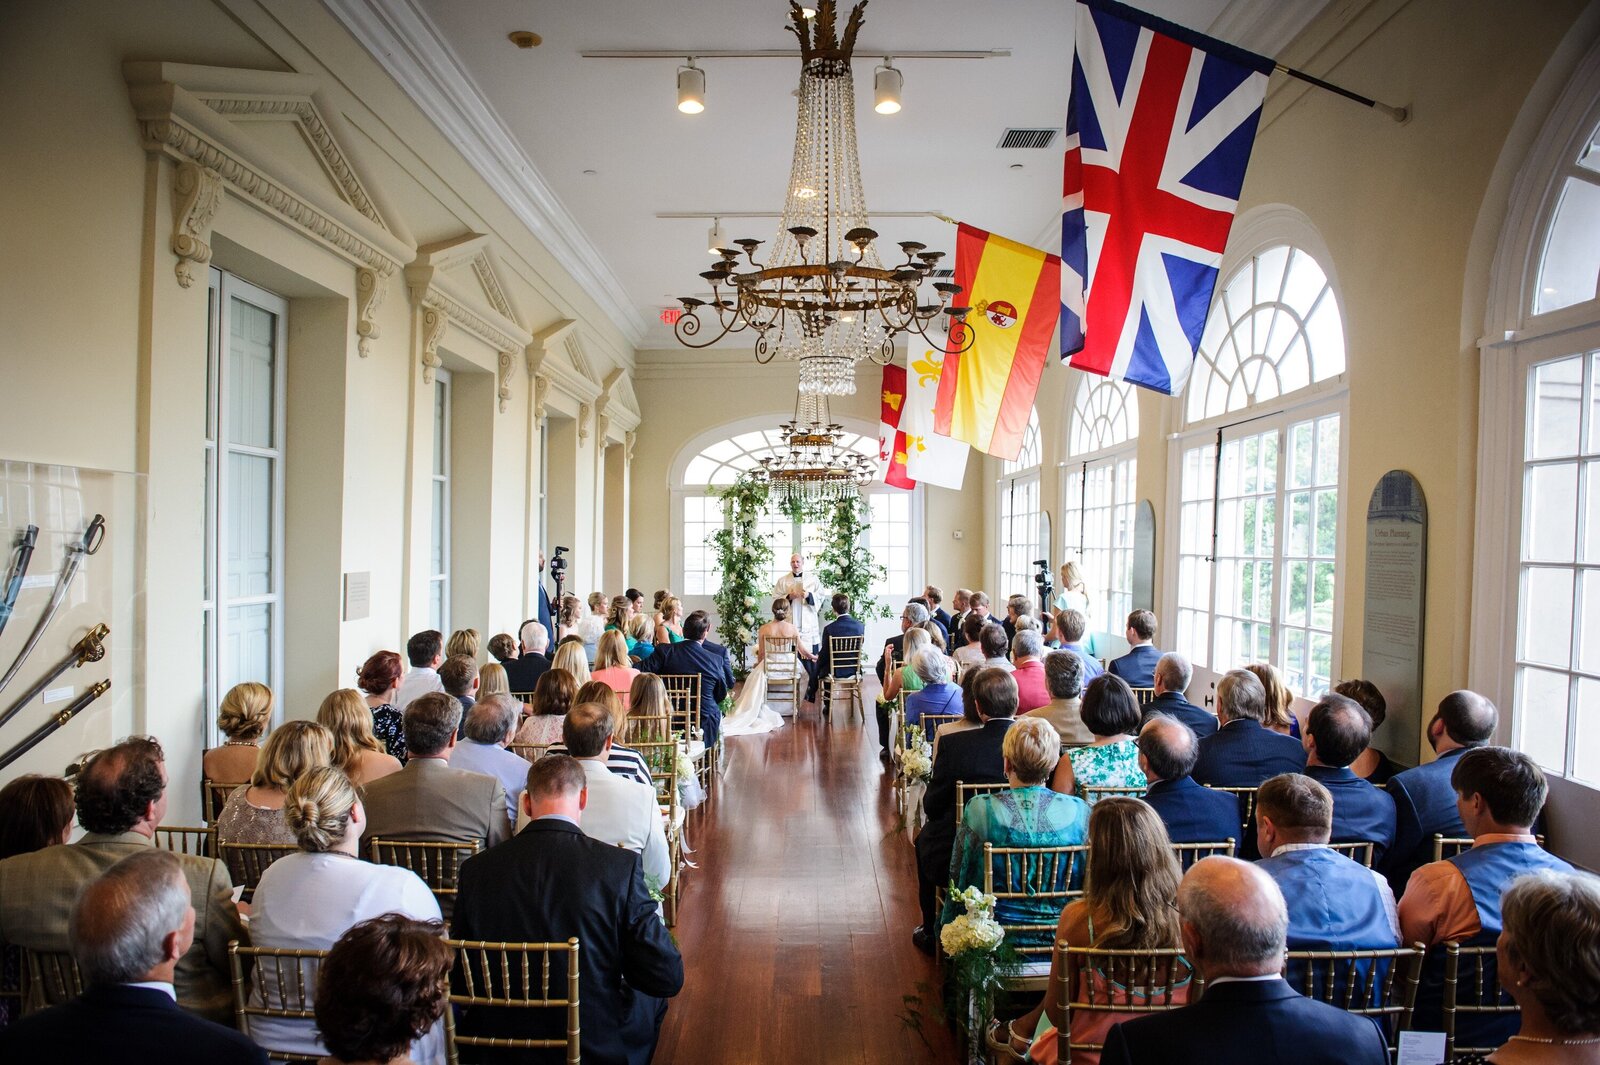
(814, 465)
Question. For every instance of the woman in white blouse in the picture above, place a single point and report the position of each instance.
(305, 901)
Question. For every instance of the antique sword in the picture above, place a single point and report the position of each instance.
(92, 538)
(19, 570)
(43, 732)
(89, 649)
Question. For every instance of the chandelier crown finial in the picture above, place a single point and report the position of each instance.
(821, 50)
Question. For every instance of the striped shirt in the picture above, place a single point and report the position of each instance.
(623, 761)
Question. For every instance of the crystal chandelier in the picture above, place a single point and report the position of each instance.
(815, 465)
(822, 297)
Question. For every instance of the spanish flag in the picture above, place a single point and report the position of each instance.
(1014, 292)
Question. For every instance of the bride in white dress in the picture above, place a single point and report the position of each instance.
(751, 715)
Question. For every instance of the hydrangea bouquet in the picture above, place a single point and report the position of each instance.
(918, 763)
(980, 960)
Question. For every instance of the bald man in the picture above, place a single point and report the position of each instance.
(1234, 926)
(1167, 752)
(1424, 801)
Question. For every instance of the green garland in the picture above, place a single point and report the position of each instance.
(844, 564)
(744, 557)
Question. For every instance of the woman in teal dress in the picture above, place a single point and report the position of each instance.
(670, 630)
(1027, 814)
(1111, 712)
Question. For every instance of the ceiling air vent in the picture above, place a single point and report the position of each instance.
(1028, 138)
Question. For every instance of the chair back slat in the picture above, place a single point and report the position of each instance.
(780, 659)
(247, 861)
(646, 728)
(280, 984)
(1094, 793)
(929, 723)
(1146, 696)
(1450, 846)
(200, 842)
(1044, 879)
(529, 752)
(1130, 983)
(502, 976)
(1247, 805)
(845, 652)
(1381, 984)
(53, 978)
(683, 696)
(214, 796)
(1189, 853)
(1356, 850)
(438, 864)
(1471, 988)
(965, 793)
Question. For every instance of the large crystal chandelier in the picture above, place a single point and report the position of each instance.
(814, 465)
(822, 297)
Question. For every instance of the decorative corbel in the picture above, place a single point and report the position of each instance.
(370, 290)
(196, 195)
(629, 439)
(602, 426)
(505, 380)
(541, 391)
(584, 411)
(433, 323)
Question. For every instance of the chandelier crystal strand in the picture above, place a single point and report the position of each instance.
(814, 464)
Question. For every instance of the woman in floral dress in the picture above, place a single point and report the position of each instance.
(1111, 712)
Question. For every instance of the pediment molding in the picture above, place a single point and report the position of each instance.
(551, 364)
(617, 407)
(485, 314)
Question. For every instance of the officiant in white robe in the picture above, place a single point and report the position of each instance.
(804, 594)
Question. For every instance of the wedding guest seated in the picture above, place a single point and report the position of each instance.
(379, 681)
(121, 796)
(1424, 798)
(1500, 793)
(1027, 654)
(381, 987)
(1071, 627)
(503, 646)
(969, 713)
(1280, 700)
(961, 605)
(129, 929)
(243, 718)
(552, 881)
(934, 597)
(1193, 814)
(35, 813)
(483, 748)
(1111, 760)
(617, 615)
(1337, 731)
(973, 757)
(356, 751)
(968, 654)
(1234, 925)
(936, 695)
(254, 811)
(995, 645)
(459, 675)
(429, 799)
(524, 671)
(1334, 903)
(569, 613)
(915, 614)
(623, 761)
(1172, 677)
(425, 651)
(620, 810)
(1243, 752)
(1137, 667)
(552, 698)
(669, 627)
(904, 678)
(635, 600)
(1063, 679)
(641, 638)
(696, 654)
(309, 899)
(1017, 608)
(1129, 902)
(1556, 986)
(463, 642)
(492, 680)
(1027, 814)
(612, 666)
(570, 657)
(1372, 765)
(594, 623)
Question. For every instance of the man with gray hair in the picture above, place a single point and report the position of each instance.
(1235, 926)
(1243, 752)
(483, 749)
(913, 615)
(938, 694)
(1063, 679)
(524, 671)
(128, 929)
(1027, 669)
(1172, 676)
(1193, 814)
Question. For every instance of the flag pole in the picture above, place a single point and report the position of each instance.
(1399, 114)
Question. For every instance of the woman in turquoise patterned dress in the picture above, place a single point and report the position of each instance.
(1111, 712)
(1027, 814)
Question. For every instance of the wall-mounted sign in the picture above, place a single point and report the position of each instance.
(1391, 645)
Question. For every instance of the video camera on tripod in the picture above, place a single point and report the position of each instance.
(1042, 581)
(558, 569)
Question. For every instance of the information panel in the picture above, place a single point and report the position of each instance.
(1391, 646)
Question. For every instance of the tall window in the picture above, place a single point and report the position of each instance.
(1258, 497)
(439, 523)
(242, 612)
(1099, 493)
(1018, 493)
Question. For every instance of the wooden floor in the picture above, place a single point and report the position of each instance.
(796, 927)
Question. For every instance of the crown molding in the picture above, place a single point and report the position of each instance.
(1265, 27)
(406, 43)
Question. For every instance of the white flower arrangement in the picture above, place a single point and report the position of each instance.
(975, 930)
(685, 767)
(918, 762)
(749, 600)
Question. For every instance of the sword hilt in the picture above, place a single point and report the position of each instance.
(92, 647)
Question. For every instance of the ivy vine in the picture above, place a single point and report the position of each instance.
(744, 557)
(844, 564)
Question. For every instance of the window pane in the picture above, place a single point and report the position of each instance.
(249, 525)
(1571, 262)
(436, 598)
(1547, 616)
(1586, 744)
(1327, 450)
(1542, 717)
(1551, 513)
(247, 645)
(1553, 420)
(251, 377)
(441, 420)
(1589, 649)
(436, 552)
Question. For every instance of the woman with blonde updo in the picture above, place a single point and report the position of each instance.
(254, 811)
(356, 751)
(492, 680)
(463, 642)
(307, 900)
(669, 629)
(243, 718)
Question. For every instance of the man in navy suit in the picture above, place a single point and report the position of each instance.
(1424, 801)
(696, 654)
(523, 672)
(549, 882)
(971, 757)
(841, 625)
(1192, 814)
(1234, 925)
(1138, 666)
(544, 600)
(913, 615)
(1243, 752)
(1172, 676)
(935, 596)
(128, 929)
(1337, 731)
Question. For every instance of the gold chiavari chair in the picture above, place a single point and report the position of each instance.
(1146, 696)
(781, 662)
(683, 696)
(930, 723)
(1247, 806)
(1093, 794)
(661, 756)
(512, 976)
(247, 861)
(646, 728)
(437, 863)
(200, 842)
(52, 978)
(1381, 984)
(1450, 846)
(522, 697)
(1471, 989)
(529, 752)
(280, 984)
(1125, 982)
(1356, 850)
(214, 796)
(845, 673)
(965, 793)
(1044, 879)
(1189, 853)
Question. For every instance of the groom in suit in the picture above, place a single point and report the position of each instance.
(841, 625)
(696, 654)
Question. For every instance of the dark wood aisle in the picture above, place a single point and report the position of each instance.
(796, 927)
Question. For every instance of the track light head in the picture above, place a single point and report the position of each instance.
(886, 85)
(691, 89)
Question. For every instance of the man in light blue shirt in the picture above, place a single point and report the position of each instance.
(1071, 627)
(489, 728)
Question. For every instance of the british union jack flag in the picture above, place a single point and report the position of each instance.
(1159, 129)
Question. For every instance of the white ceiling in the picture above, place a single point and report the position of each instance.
(619, 119)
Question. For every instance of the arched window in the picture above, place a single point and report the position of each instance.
(1018, 492)
(1099, 494)
(1569, 268)
(1258, 542)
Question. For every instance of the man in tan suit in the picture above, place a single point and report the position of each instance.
(429, 800)
(121, 795)
(1063, 678)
